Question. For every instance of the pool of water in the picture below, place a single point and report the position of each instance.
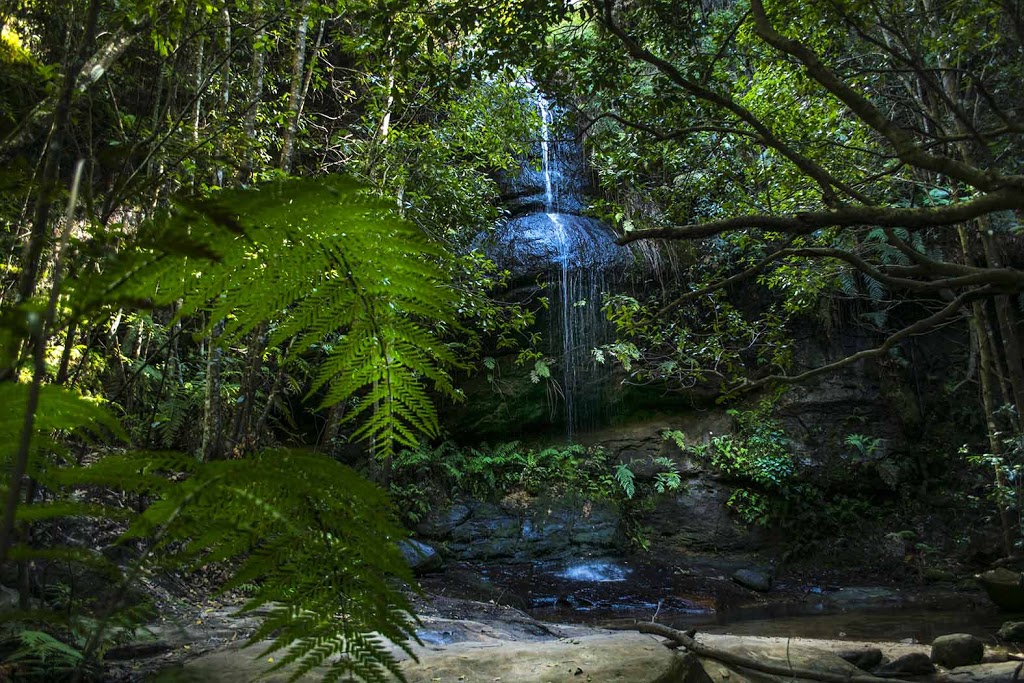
(605, 592)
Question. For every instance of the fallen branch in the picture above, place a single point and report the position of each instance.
(685, 640)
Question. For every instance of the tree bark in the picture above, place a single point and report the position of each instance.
(213, 409)
(296, 95)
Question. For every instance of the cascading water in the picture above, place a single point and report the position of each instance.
(548, 237)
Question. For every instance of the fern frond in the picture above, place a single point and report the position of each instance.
(307, 532)
(312, 258)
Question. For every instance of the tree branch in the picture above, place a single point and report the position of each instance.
(847, 216)
(93, 70)
(727, 282)
(920, 327)
(904, 145)
(732, 659)
(825, 180)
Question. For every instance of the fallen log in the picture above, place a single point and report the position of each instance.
(687, 641)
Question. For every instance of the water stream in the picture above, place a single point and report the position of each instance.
(604, 592)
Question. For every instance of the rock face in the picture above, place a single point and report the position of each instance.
(957, 649)
(474, 530)
(697, 518)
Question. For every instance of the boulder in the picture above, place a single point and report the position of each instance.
(1012, 631)
(1005, 588)
(913, 664)
(957, 649)
(421, 557)
(865, 659)
(753, 579)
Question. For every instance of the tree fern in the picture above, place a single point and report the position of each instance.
(313, 257)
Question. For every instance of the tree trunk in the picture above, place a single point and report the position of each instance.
(213, 409)
(295, 96)
(256, 75)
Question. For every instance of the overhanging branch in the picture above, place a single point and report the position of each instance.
(847, 216)
(920, 327)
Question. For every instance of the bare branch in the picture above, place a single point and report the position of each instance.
(674, 133)
(920, 327)
(753, 270)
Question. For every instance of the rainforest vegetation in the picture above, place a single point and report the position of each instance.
(241, 277)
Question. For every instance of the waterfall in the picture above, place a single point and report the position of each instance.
(578, 287)
(549, 239)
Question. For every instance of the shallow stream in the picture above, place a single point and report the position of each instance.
(701, 595)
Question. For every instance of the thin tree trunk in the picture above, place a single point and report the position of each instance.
(213, 412)
(987, 373)
(295, 96)
(259, 60)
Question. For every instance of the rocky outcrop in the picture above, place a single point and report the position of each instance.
(421, 557)
(539, 529)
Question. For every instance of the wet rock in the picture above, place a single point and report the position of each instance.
(865, 659)
(533, 244)
(1012, 631)
(913, 664)
(542, 529)
(441, 522)
(957, 649)
(1005, 588)
(753, 579)
(421, 557)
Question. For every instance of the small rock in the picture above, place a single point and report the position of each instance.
(1012, 631)
(914, 664)
(865, 659)
(753, 579)
(957, 649)
(421, 557)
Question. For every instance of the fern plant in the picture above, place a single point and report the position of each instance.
(311, 258)
(302, 533)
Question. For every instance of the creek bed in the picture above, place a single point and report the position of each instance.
(604, 592)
